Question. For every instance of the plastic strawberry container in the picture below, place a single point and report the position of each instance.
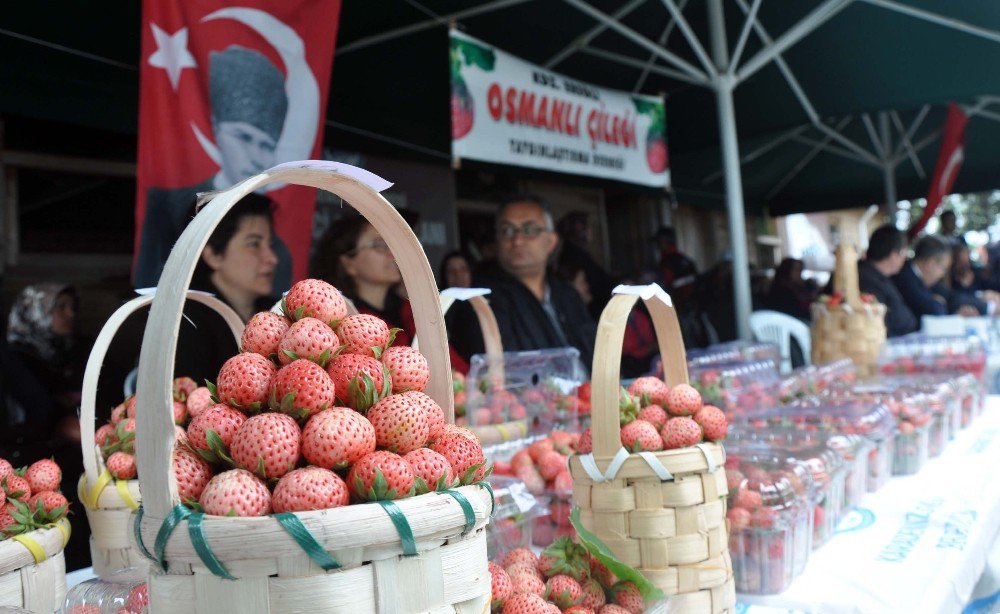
(513, 516)
(770, 517)
(123, 592)
(737, 388)
(918, 400)
(918, 353)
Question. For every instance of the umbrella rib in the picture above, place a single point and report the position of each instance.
(908, 135)
(692, 39)
(584, 39)
(662, 41)
(941, 20)
(763, 149)
(744, 36)
(837, 151)
(905, 142)
(629, 61)
(870, 129)
(805, 161)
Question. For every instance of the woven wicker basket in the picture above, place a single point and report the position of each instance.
(423, 554)
(33, 570)
(663, 513)
(853, 329)
(108, 501)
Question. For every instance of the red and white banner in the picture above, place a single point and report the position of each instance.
(229, 89)
(949, 162)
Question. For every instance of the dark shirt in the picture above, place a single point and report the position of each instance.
(899, 319)
(961, 294)
(919, 298)
(790, 299)
(600, 281)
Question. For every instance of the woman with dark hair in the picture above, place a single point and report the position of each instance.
(789, 293)
(455, 270)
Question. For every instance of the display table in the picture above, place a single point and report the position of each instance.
(917, 545)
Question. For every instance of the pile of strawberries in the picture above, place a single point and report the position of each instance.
(30, 497)
(656, 417)
(319, 410)
(565, 579)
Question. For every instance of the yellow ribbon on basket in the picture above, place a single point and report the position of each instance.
(35, 548)
(123, 492)
(90, 499)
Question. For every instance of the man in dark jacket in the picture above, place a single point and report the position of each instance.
(886, 256)
(918, 280)
(534, 309)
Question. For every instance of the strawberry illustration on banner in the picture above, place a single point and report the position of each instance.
(228, 90)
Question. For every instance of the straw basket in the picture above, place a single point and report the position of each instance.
(33, 570)
(423, 554)
(853, 329)
(108, 501)
(663, 513)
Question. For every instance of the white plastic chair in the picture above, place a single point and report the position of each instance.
(779, 328)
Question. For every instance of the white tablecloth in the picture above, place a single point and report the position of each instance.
(917, 545)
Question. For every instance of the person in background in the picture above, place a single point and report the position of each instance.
(968, 286)
(455, 270)
(919, 279)
(678, 273)
(886, 256)
(716, 298)
(789, 293)
(534, 308)
(575, 232)
(949, 229)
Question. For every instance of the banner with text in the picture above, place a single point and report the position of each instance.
(508, 111)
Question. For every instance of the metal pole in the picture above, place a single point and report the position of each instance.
(889, 175)
(724, 86)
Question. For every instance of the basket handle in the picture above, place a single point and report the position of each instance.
(487, 324)
(359, 188)
(606, 372)
(92, 372)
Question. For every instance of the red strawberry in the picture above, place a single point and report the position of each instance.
(263, 334)
(224, 422)
(53, 503)
(563, 442)
(359, 381)
(16, 488)
(105, 436)
(532, 479)
(525, 584)
(713, 422)
(559, 512)
(302, 389)
(462, 109)
(433, 413)
(500, 583)
(465, 454)
(540, 447)
(520, 602)
(130, 406)
(650, 390)
(431, 470)
(563, 484)
(44, 474)
(639, 435)
(236, 492)
(198, 401)
(309, 488)
(551, 464)
(315, 298)
(586, 445)
(400, 424)
(601, 573)
(520, 555)
(656, 152)
(407, 367)
(192, 474)
(563, 591)
(747, 499)
(336, 438)
(183, 386)
(363, 334)
(593, 594)
(763, 517)
(267, 444)
(683, 400)
(138, 599)
(308, 338)
(121, 466)
(381, 476)
(627, 595)
(739, 519)
(244, 381)
(655, 415)
(680, 433)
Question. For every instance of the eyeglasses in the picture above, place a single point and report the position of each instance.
(530, 231)
(377, 245)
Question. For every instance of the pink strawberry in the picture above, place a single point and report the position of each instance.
(563, 590)
(192, 474)
(611, 608)
(500, 583)
(465, 454)
(551, 464)
(578, 609)
(532, 479)
(713, 422)
(655, 415)
(559, 512)
(44, 474)
(263, 334)
(309, 488)
(520, 556)
(433, 413)
(627, 595)
(308, 338)
(563, 484)
(407, 367)
(381, 476)
(6, 469)
(540, 447)
(680, 433)
(593, 594)
(747, 499)
(683, 400)
(650, 390)
(431, 470)
(118, 413)
(525, 584)
(121, 466)
(363, 334)
(336, 438)
(244, 381)
(302, 389)
(359, 381)
(639, 435)
(236, 492)
(601, 573)
(105, 435)
(525, 601)
(400, 424)
(224, 422)
(54, 503)
(198, 401)
(130, 406)
(180, 413)
(267, 444)
(586, 444)
(525, 568)
(183, 386)
(16, 488)
(315, 298)
(739, 519)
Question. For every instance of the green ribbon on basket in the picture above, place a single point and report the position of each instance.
(402, 527)
(197, 533)
(470, 514)
(307, 541)
(170, 523)
(137, 529)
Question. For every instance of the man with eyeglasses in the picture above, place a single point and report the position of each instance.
(919, 281)
(534, 309)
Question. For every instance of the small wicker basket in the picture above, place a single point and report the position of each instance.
(33, 570)
(663, 513)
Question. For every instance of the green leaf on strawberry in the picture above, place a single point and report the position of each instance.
(213, 391)
(602, 553)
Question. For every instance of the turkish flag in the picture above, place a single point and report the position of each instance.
(228, 90)
(949, 161)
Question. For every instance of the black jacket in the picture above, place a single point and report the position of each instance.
(919, 298)
(899, 318)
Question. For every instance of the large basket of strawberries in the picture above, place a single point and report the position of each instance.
(321, 512)
(109, 488)
(656, 494)
(33, 532)
(848, 324)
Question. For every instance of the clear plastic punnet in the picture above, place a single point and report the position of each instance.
(737, 388)
(514, 513)
(919, 353)
(123, 592)
(920, 399)
(770, 516)
(734, 351)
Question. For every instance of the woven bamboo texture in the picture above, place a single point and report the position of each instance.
(36, 580)
(446, 572)
(109, 502)
(673, 530)
(853, 329)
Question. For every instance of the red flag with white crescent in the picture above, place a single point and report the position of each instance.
(227, 90)
(949, 162)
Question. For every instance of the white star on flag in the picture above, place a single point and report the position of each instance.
(171, 53)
